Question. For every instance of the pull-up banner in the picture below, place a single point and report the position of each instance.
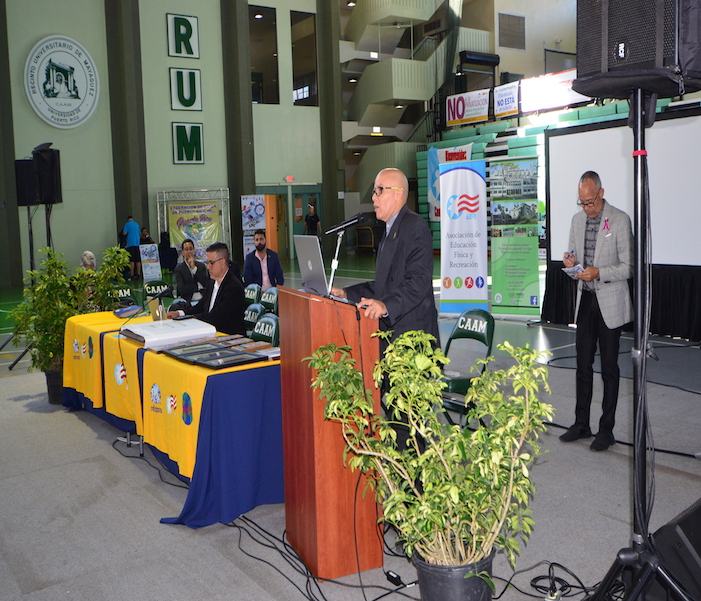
(464, 236)
(436, 156)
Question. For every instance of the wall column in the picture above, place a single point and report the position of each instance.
(328, 33)
(240, 159)
(123, 38)
(10, 241)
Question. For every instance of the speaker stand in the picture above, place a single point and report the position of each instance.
(648, 565)
(642, 559)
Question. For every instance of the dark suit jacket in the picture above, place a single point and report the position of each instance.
(227, 313)
(404, 277)
(252, 273)
(186, 283)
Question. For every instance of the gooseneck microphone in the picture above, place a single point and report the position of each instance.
(356, 220)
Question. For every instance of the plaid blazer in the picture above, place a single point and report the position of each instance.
(614, 259)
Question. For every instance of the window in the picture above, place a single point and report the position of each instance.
(264, 68)
(304, 83)
(512, 31)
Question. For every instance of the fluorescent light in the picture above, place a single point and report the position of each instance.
(374, 55)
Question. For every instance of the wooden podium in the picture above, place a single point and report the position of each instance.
(329, 523)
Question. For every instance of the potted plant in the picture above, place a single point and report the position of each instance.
(454, 496)
(52, 295)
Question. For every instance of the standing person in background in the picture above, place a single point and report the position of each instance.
(191, 276)
(312, 223)
(262, 265)
(133, 235)
(601, 239)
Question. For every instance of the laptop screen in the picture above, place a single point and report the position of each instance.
(311, 265)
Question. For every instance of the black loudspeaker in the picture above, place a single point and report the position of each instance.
(26, 188)
(47, 171)
(678, 544)
(623, 45)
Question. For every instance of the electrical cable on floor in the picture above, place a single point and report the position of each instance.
(311, 591)
(546, 584)
(549, 583)
(155, 467)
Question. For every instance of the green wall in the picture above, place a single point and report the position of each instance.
(86, 219)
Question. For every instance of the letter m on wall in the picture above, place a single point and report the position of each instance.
(188, 144)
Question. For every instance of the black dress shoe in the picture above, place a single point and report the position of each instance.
(575, 432)
(603, 441)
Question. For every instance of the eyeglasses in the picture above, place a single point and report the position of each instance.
(210, 263)
(378, 190)
(590, 202)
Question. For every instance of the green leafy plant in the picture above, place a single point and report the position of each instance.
(452, 494)
(52, 294)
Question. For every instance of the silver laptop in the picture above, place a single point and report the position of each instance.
(311, 267)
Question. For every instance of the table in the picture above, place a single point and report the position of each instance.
(221, 430)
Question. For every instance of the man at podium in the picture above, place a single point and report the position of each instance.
(401, 295)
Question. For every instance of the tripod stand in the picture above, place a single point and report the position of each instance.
(642, 559)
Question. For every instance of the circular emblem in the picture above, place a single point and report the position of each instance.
(91, 348)
(187, 409)
(120, 373)
(61, 82)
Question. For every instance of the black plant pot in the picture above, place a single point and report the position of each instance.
(448, 583)
(54, 385)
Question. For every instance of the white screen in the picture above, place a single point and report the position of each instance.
(674, 164)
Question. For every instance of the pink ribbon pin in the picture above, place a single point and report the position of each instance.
(606, 227)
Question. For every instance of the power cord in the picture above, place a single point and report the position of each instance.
(155, 467)
(248, 529)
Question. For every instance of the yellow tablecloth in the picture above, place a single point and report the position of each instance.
(121, 376)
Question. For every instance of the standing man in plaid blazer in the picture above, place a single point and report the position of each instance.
(601, 240)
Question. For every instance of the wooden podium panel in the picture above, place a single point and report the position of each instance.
(325, 517)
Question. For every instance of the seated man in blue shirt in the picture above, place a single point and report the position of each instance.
(262, 265)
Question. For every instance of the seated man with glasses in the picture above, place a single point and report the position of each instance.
(401, 295)
(601, 240)
(223, 302)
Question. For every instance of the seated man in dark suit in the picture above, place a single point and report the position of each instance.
(262, 265)
(223, 301)
(191, 276)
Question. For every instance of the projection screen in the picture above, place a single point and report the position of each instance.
(674, 162)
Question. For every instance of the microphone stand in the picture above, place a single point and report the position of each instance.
(334, 263)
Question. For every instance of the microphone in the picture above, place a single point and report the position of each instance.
(356, 220)
(165, 292)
